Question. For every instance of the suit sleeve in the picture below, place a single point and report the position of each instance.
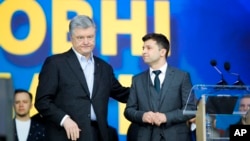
(131, 111)
(177, 115)
(46, 92)
(118, 91)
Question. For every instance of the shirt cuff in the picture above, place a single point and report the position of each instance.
(62, 121)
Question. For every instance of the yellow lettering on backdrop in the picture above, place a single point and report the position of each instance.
(60, 23)
(162, 23)
(5, 75)
(37, 24)
(32, 89)
(123, 122)
(136, 26)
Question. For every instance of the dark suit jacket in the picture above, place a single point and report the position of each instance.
(173, 98)
(63, 89)
(36, 132)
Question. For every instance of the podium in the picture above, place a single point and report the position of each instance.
(217, 109)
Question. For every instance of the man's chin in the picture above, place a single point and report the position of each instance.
(22, 115)
(145, 60)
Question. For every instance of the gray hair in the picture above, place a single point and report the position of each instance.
(81, 21)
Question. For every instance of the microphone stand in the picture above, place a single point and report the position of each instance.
(222, 82)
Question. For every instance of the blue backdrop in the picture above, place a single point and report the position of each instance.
(199, 30)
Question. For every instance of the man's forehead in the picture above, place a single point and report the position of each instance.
(245, 101)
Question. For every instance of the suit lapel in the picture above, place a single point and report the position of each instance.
(166, 84)
(97, 76)
(146, 81)
(15, 130)
(74, 65)
(32, 131)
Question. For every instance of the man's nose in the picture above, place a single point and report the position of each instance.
(21, 104)
(246, 108)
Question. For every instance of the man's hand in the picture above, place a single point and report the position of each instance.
(154, 118)
(192, 120)
(159, 118)
(71, 129)
(148, 117)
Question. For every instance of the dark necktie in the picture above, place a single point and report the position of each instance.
(157, 80)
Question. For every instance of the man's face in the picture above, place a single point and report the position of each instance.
(244, 104)
(22, 104)
(152, 52)
(83, 40)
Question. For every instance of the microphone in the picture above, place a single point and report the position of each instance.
(222, 81)
(227, 67)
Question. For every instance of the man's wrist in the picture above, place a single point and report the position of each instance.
(64, 118)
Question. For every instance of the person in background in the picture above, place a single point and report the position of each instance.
(245, 107)
(75, 86)
(26, 128)
(158, 95)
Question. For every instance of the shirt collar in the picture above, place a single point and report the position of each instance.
(81, 57)
(163, 69)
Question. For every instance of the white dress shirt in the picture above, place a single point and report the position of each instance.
(161, 76)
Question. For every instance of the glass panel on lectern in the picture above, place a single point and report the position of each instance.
(218, 107)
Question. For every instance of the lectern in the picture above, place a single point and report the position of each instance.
(217, 109)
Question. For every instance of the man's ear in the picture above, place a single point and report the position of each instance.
(247, 117)
(31, 105)
(163, 52)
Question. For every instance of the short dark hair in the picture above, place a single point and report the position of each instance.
(23, 91)
(160, 39)
(245, 96)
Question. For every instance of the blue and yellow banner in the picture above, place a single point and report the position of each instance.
(199, 31)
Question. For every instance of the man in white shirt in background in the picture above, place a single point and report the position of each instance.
(25, 127)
